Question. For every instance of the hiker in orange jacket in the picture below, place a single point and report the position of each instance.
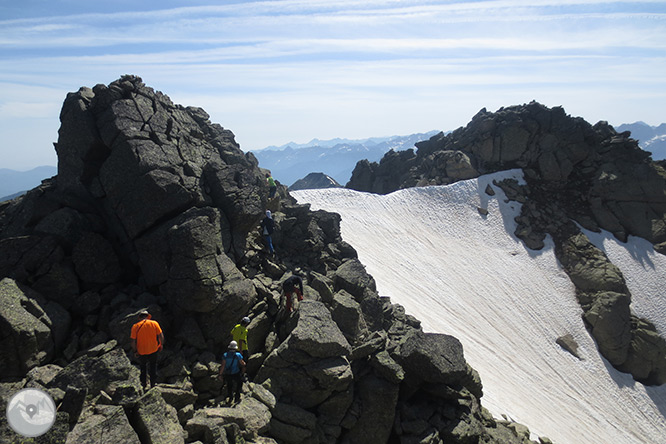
(147, 341)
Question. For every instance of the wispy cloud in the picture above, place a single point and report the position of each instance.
(306, 68)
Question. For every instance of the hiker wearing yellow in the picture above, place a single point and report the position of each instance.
(147, 341)
(239, 334)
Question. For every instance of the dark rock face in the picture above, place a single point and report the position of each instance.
(574, 171)
(155, 207)
(601, 177)
(314, 181)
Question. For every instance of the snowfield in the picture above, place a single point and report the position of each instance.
(465, 274)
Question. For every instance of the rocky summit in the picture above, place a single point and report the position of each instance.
(577, 175)
(155, 207)
(314, 181)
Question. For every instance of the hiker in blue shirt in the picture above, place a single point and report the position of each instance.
(232, 369)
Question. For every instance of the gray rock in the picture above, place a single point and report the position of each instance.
(352, 277)
(95, 374)
(436, 359)
(104, 425)
(95, 260)
(609, 318)
(646, 360)
(316, 333)
(309, 364)
(568, 343)
(291, 423)
(176, 397)
(333, 410)
(262, 394)
(387, 368)
(378, 399)
(322, 285)
(72, 403)
(260, 326)
(27, 341)
(188, 332)
(588, 267)
(347, 314)
(376, 342)
(250, 415)
(44, 374)
(156, 421)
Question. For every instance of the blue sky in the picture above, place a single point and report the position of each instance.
(292, 70)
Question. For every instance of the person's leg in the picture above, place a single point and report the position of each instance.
(152, 367)
(239, 384)
(228, 379)
(298, 293)
(269, 242)
(142, 367)
(288, 296)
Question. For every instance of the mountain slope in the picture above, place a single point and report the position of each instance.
(466, 274)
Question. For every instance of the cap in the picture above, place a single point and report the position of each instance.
(245, 320)
(233, 345)
(143, 313)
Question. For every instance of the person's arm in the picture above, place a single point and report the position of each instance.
(134, 346)
(224, 364)
(242, 366)
(160, 341)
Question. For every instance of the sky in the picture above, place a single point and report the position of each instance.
(292, 70)
(466, 274)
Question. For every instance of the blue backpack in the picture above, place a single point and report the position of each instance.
(232, 362)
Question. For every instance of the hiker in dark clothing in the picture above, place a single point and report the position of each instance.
(267, 227)
(293, 284)
(232, 369)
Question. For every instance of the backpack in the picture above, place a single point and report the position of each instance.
(228, 368)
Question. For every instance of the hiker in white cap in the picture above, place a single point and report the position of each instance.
(231, 372)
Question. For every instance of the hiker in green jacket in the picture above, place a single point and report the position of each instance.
(272, 186)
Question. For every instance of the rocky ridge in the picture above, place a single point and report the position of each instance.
(156, 207)
(577, 175)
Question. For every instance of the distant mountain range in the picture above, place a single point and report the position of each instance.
(336, 158)
(14, 183)
(650, 138)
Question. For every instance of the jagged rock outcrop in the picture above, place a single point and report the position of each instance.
(155, 207)
(602, 177)
(314, 181)
(592, 175)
